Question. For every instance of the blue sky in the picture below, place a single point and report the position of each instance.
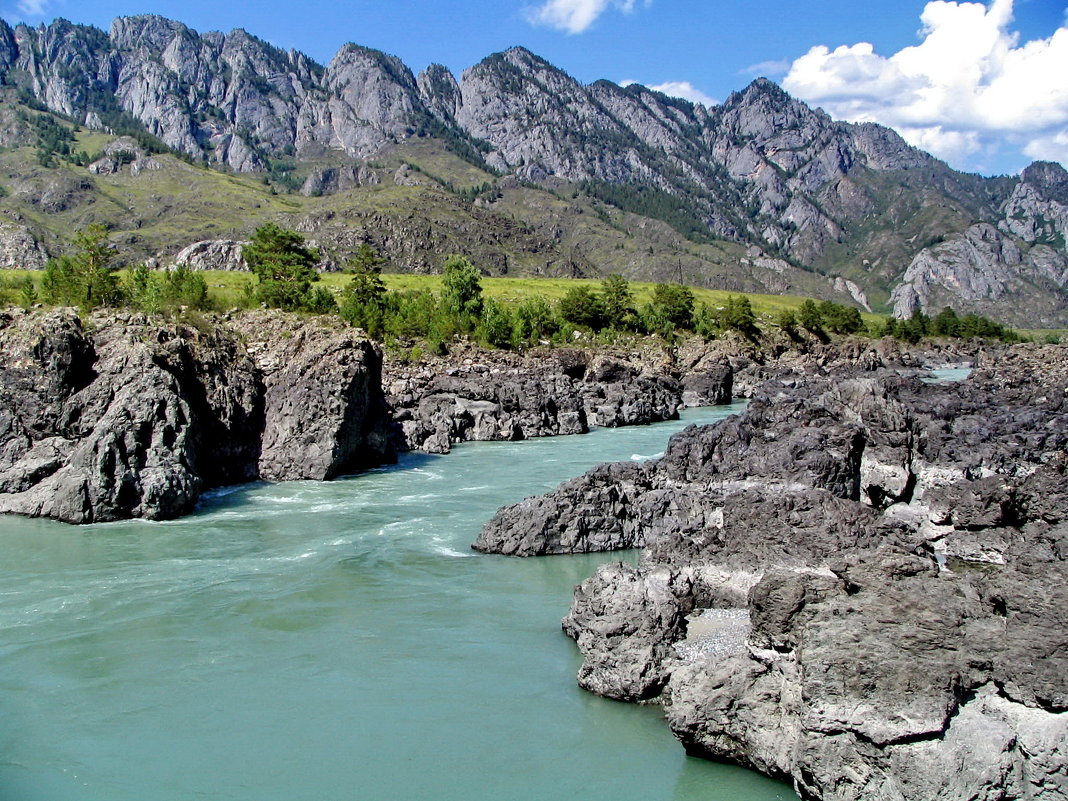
(984, 86)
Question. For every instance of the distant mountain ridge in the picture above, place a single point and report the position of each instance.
(795, 189)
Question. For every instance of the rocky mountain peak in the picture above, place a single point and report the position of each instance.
(149, 31)
(440, 92)
(1049, 178)
(764, 111)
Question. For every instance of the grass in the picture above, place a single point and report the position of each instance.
(227, 288)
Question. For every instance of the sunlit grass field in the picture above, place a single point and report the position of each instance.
(229, 289)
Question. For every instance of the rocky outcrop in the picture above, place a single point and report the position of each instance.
(497, 396)
(127, 417)
(227, 254)
(324, 413)
(332, 180)
(979, 270)
(19, 248)
(212, 254)
(855, 586)
(1037, 209)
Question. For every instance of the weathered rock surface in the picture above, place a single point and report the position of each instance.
(497, 396)
(228, 254)
(979, 270)
(324, 413)
(857, 585)
(126, 417)
(19, 248)
(212, 254)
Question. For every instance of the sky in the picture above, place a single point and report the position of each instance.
(983, 86)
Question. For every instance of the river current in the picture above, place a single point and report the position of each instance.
(326, 641)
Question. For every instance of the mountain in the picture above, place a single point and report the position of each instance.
(510, 161)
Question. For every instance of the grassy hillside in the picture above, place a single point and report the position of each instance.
(417, 203)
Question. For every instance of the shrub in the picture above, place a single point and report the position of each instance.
(582, 308)
(285, 267)
(86, 278)
(462, 291)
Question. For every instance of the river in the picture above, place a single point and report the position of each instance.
(326, 641)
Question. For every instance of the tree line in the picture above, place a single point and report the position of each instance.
(284, 267)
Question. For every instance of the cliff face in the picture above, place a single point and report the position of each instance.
(124, 417)
(1020, 261)
(762, 169)
(856, 585)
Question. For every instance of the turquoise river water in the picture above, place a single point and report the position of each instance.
(326, 641)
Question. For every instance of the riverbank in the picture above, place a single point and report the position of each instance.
(857, 585)
(124, 415)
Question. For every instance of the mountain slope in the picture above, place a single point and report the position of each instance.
(783, 194)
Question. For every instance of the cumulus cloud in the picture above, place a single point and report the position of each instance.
(966, 88)
(575, 16)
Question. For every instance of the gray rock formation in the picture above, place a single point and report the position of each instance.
(130, 418)
(226, 254)
(856, 585)
(502, 397)
(324, 413)
(331, 180)
(1037, 209)
(981, 269)
(212, 254)
(19, 248)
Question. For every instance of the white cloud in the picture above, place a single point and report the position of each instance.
(685, 90)
(575, 16)
(767, 68)
(968, 85)
(1049, 148)
(33, 8)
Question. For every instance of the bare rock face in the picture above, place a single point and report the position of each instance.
(1037, 210)
(856, 585)
(19, 248)
(107, 425)
(502, 397)
(332, 180)
(977, 269)
(323, 408)
(440, 92)
(132, 418)
(227, 254)
(212, 254)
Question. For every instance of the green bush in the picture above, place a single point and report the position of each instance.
(617, 303)
(582, 308)
(166, 291)
(461, 291)
(495, 326)
(671, 305)
(533, 321)
(85, 278)
(285, 268)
